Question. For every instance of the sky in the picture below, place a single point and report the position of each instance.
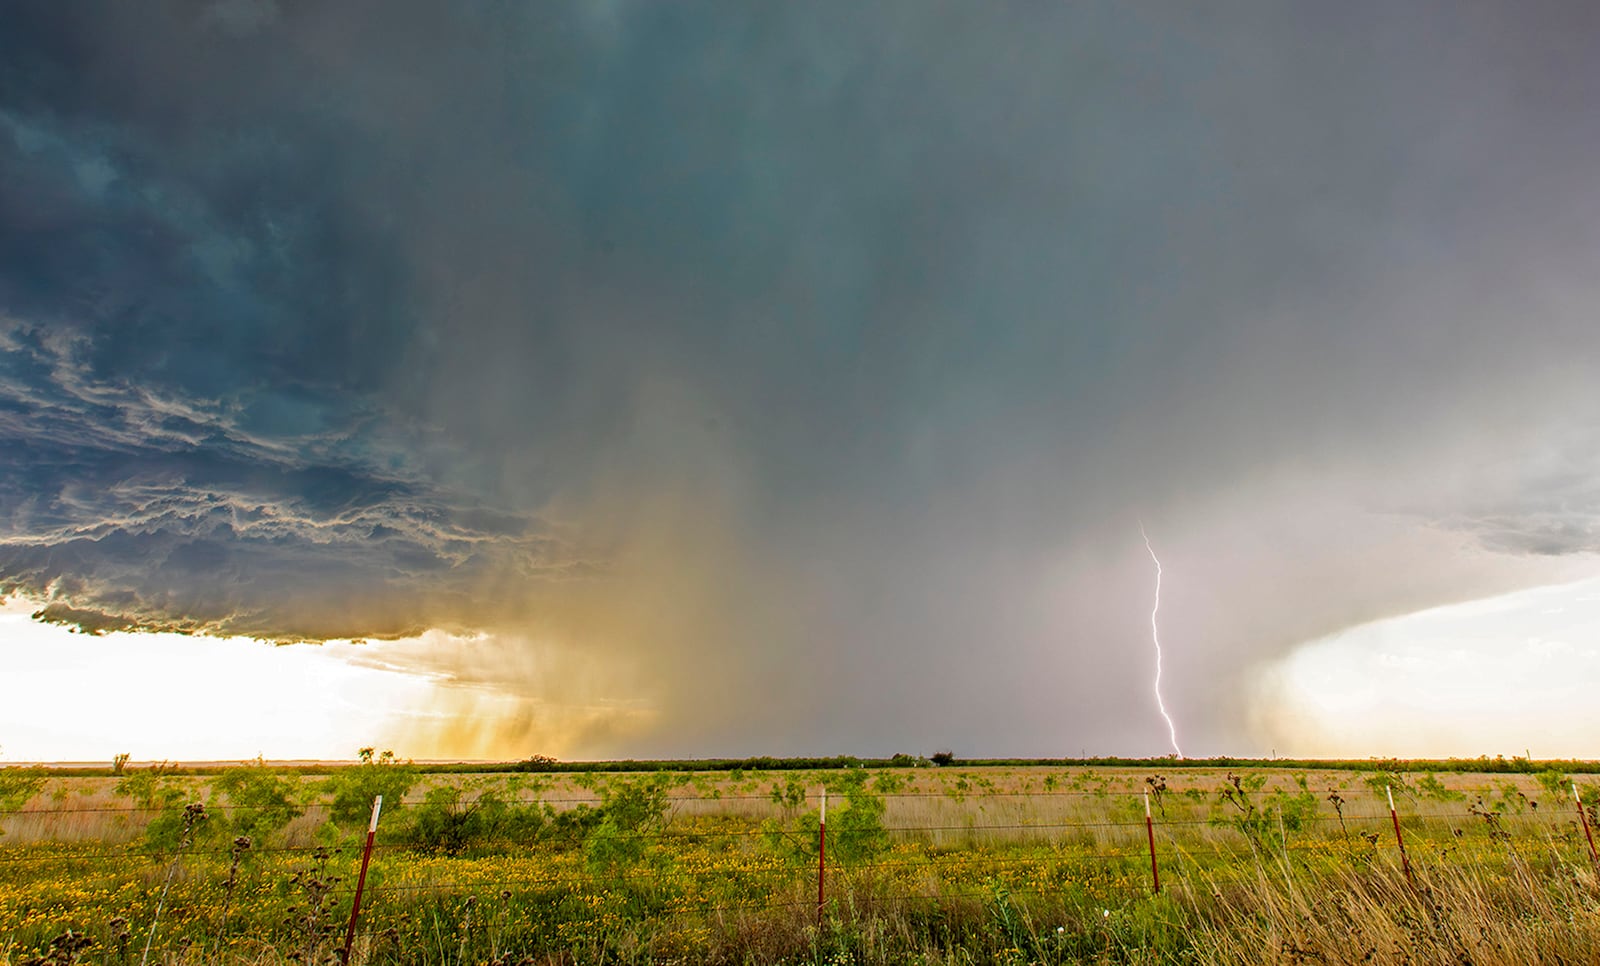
(634, 379)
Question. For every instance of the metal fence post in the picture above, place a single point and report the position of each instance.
(361, 881)
(822, 855)
(1405, 862)
(1150, 831)
(1583, 817)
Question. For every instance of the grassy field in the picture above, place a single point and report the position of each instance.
(934, 865)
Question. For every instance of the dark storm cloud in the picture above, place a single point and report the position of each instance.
(194, 339)
(1544, 503)
(132, 510)
(791, 365)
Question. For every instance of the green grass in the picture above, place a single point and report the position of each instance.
(952, 865)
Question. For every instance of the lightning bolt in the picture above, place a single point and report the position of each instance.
(1155, 635)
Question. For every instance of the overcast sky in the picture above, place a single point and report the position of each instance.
(718, 378)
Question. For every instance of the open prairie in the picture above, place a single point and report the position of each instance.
(606, 379)
(260, 864)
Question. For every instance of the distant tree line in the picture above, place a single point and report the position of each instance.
(1499, 764)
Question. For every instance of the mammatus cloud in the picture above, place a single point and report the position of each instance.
(785, 380)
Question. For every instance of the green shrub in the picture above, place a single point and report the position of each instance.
(1430, 787)
(455, 820)
(353, 788)
(150, 788)
(17, 785)
(639, 805)
(855, 832)
(1258, 814)
(1555, 783)
(259, 801)
(1381, 783)
(157, 793)
(630, 813)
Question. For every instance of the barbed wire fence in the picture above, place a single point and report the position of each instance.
(1117, 844)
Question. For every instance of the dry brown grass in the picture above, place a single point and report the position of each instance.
(1325, 894)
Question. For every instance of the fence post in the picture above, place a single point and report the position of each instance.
(1150, 831)
(822, 855)
(1405, 863)
(361, 881)
(1584, 818)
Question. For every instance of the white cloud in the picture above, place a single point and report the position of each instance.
(1498, 676)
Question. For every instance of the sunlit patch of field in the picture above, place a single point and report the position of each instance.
(956, 864)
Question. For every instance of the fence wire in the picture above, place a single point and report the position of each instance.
(1109, 852)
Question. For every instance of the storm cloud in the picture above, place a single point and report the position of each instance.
(790, 379)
